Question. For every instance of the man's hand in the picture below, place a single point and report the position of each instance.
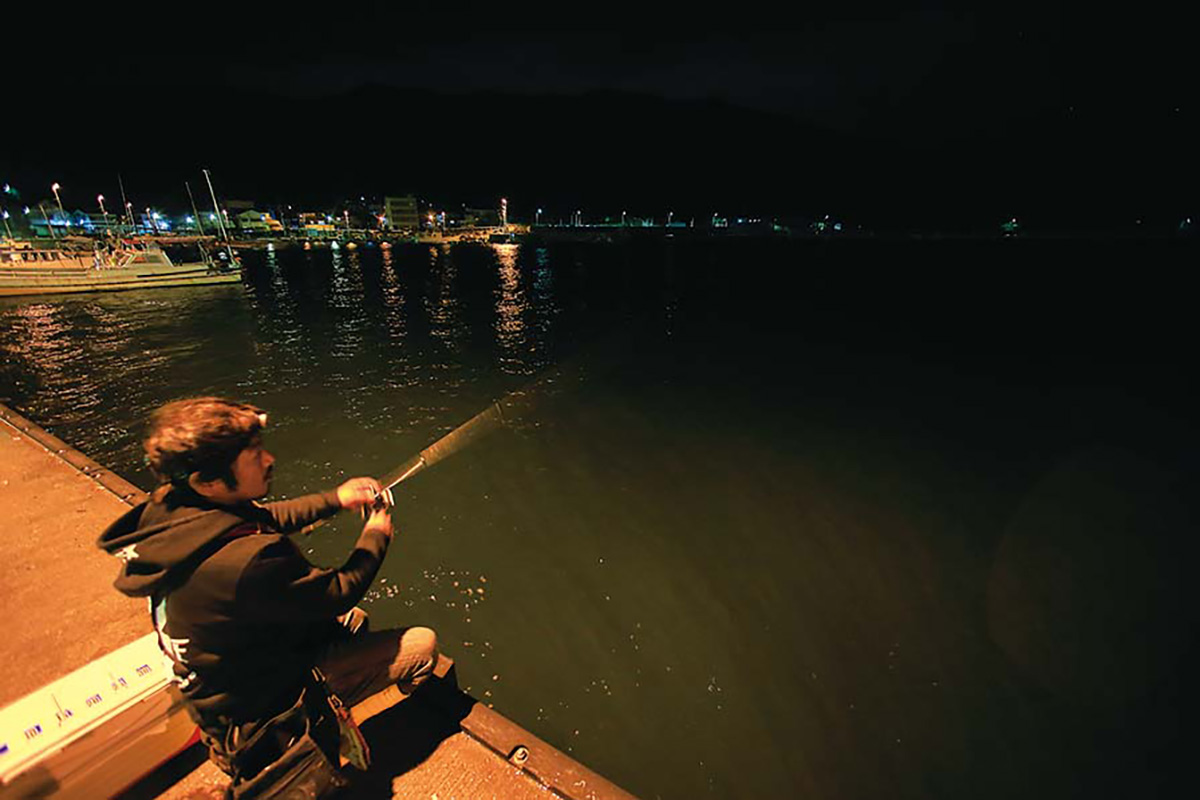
(380, 520)
(358, 492)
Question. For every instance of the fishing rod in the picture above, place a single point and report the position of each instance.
(509, 410)
(473, 429)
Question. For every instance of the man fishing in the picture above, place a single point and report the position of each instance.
(241, 613)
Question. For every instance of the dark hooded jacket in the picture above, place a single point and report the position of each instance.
(240, 611)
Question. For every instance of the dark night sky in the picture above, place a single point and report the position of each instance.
(927, 112)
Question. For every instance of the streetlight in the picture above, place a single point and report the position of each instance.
(622, 219)
(100, 200)
(669, 215)
(537, 218)
(153, 223)
(129, 212)
(7, 230)
(54, 188)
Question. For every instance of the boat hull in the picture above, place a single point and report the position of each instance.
(33, 279)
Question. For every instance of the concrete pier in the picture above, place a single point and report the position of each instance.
(55, 584)
(63, 613)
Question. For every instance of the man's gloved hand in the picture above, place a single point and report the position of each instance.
(358, 492)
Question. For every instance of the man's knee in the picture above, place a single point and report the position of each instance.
(416, 658)
(422, 643)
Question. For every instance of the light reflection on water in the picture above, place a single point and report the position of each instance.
(443, 304)
(510, 309)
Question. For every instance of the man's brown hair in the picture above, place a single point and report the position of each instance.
(200, 435)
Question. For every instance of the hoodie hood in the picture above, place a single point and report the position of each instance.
(162, 540)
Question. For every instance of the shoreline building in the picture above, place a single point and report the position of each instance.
(253, 221)
(401, 213)
(316, 225)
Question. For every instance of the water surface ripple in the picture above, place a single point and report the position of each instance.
(812, 524)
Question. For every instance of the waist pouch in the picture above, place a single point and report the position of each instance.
(288, 757)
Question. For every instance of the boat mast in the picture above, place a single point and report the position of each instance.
(46, 217)
(125, 204)
(192, 200)
(217, 209)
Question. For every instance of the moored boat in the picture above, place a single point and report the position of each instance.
(26, 270)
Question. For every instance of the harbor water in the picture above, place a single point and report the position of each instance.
(845, 519)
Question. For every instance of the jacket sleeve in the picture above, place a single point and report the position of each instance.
(280, 584)
(289, 516)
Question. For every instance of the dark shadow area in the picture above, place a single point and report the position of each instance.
(407, 734)
(400, 739)
(167, 775)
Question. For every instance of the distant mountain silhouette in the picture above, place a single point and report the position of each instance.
(602, 152)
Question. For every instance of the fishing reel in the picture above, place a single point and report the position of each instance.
(384, 500)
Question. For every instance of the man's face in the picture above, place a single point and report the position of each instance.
(253, 470)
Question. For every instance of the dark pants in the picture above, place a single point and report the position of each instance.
(360, 662)
(357, 663)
